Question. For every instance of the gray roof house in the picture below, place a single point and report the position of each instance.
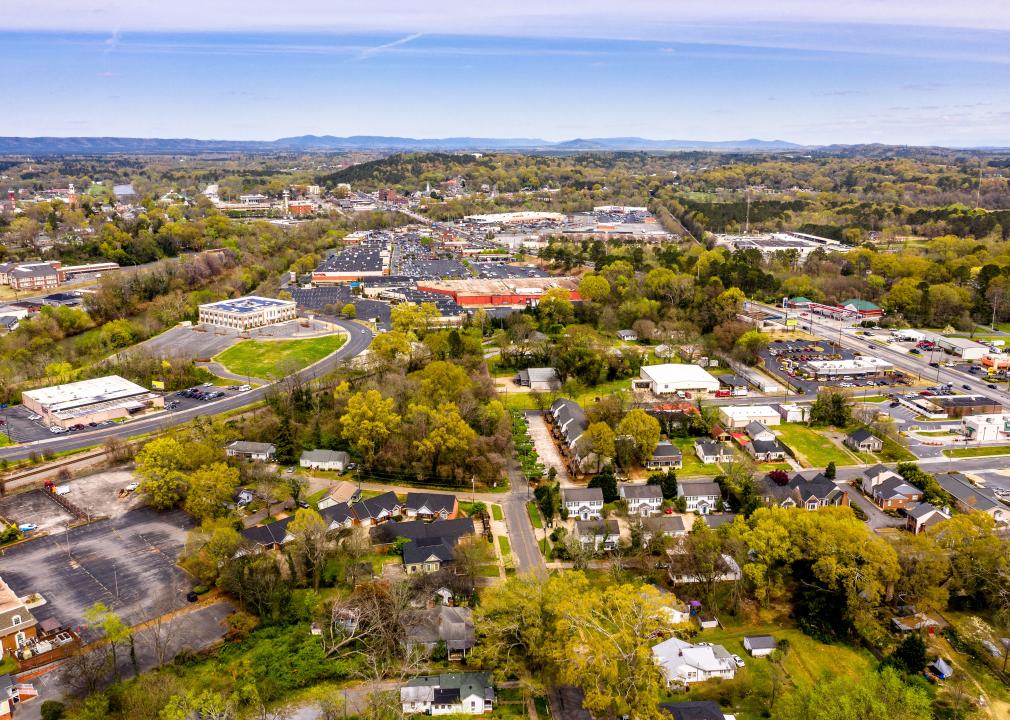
(448, 694)
(701, 497)
(582, 503)
(540, 379)
(642, 499)
(759, 645)
(924, 516)
(666, 455)
(325, 460)
(862, 440)
(971, 498)
(810, 492)
(250, 450)
(599, 534)
(451, 625)
(758, 431)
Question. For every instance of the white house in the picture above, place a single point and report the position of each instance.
(757, 431)
(325, 460)
(712, 451)
(682, 663)
(598, 534)
(448, 694)
(759, 645)
(264, 452)
(702, 497)
(642, 500)
(670, 378)
(740, 416)
(583, 503)
(666, 455)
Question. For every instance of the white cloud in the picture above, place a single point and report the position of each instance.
(632, 19)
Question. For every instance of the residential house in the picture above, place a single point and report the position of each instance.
(336, 460)
(812, 492)
(13, 692)
(539, 379)
(712, 451)
(8, 323)
(895, 493)
(340, 492)
(642, 499)
(970, 498)
(599, 534)
(264, 452)
(430, 506)
(583, 503)
(627, 335)
(666, 455)
(448, 694)
(909, 619)
(569, 423)
(759, 645)
(766, 450)
(442, 623)
(695, 710)
(430, 546)
(683, 663)
(862, 440)
(720, 433)
(924, 516)
(269, 536)
(665, 525)
(17, 624)
(718, 520)
(757, 431)
(378, 509)
(874, 476)
(338, 516)
(681, 573)
(792, 413)
(740, 416)
(702, 497)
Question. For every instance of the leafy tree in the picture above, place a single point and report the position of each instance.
(667, 482)
(310, 545)
(749, 346)
(881, 696)
(594, 287)
(644, 431)
(369, 421)
(52, 710)
(607, 482)
(910, 655)
(599, 439)
(115, 632)
(391, 346)
(831, 408)
(830, 471)
(210, 489)
(160, 465)
(555, 307)
(349, 311)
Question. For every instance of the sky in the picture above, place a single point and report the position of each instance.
(919, 72)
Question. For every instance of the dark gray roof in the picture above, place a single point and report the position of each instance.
(269, 534)
(700, 489)
(761, 447)
(895, 487)
(666, 449)
(711, 447)
(451, 530)
(597, 527)
(570, 417)
(718, 520)
(921, 510)
(373, 507)
(693, 710)
(860, 435)
(877, 469)
(453, 625)
(434, 502)
(326, 456)
(581, 495)
(423, 549)
(641, 491)
(755, 428)
(761, 642)
(963, 491)
(802, 488)
(249, 448)
(673, 524)
(339, 513)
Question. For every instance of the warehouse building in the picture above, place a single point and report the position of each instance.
(958, 406)
(671, 378)
(246, 313)
(501, 292)
(87, 401)
(962, 347)
(740, 416)
(352, 264)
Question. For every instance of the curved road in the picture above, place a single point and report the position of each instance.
(359, 338)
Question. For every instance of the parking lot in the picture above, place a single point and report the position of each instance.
(784, 360)
(20, 426)
(34, 508)
(126, 562)
(189, 343)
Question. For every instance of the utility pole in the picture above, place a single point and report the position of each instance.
(746, 227)
(978, 188)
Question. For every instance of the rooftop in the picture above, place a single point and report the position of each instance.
(84, 392)
(667, 373)
(247, 304)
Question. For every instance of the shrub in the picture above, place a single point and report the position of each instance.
(52, 710)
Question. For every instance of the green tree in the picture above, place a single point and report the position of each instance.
(599, 439)
(349, 311)
(449, 437)
(391, 347)
(748, 346)
(881, 696)
(369, 421)
(594, 287)
(607, 482)
(644, 431)
(910, 655)
(830, 472)
(667, 482)
(210, 489)
(284, 442)
(831, 408)
(160, 465)
(310, 545)
(115, 632)
(555, 307)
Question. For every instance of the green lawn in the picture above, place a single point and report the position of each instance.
(488, 571)
(692, 465)
(4, 440)
(534, 511)
(496, 513)
(266, 358)
(977, 451)
(504, 546)
(816, 449)
(870, 398)
(806, 662)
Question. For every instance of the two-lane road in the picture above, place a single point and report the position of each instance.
(359, 338)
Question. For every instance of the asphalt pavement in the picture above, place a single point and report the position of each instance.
(358, 341)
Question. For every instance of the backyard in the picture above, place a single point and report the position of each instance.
(817, 450)
(265, 358)
(692, 465)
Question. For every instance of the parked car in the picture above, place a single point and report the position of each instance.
(738, 660)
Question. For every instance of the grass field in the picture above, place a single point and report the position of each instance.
(534, 511)
(806, 662)
(692, 465)
(870, 398)
(817, 450)
(504, 546)
(496, 513)
(977, 451)
(263, 359)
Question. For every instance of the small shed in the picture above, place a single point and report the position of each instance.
(942, 669)
(759, 645)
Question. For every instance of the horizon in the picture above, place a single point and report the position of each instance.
(810, 76)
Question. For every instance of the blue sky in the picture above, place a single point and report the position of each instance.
(557, 71)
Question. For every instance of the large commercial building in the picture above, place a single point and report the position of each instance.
(500, 292)
(246, 313)
(962, 347)
(857, 367)
(353, 263)
(740, 416)
(87, 401)
(671, 378)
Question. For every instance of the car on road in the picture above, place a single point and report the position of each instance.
(244, 388)
(914, 351)
(991, 386)
(934, 364)
(132, 487)
(966, 386)
(894, 404)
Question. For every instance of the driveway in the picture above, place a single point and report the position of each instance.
(875, 517)
(546, 448)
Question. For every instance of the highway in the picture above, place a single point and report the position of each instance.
(359, 338)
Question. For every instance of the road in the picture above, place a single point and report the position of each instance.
(359, 338)
(521, 532)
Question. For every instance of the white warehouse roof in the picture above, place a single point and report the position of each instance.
(85, 392)
(741, 412)
(674, 376)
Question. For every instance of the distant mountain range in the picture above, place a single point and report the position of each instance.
(106, 145)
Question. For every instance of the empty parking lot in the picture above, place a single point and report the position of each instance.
(126, 562)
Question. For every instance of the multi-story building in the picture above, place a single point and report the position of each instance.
(246, 313)
(31, 276)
